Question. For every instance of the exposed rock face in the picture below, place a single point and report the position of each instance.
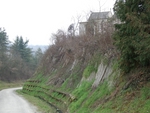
(103, 72)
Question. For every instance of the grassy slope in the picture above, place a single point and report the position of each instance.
(102, 99)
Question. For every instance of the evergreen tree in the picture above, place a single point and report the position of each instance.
(20, 49)
(132, 36)
(21, 56)
(4, 55)
(3, 44)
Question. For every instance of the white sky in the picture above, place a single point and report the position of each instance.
(36, 20)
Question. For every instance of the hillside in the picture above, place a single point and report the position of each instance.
(81, 75)
(104, 70)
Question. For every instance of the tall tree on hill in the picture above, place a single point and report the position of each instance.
(21, 57)
(132, 36)
(3, 44)
(20, 49)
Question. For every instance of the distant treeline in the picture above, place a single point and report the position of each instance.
(17, 61)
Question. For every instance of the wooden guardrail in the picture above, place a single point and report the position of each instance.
(49, 95)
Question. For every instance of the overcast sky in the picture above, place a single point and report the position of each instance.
(36, 20)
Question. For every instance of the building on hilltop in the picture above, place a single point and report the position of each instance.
(95, 23)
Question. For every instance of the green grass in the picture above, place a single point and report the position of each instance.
(129, 101)
(41, 105)
(145, 91)
(81, 93)
(146, 107)
(88, 70)
(92, 65)
(91, 101)
(4, 85)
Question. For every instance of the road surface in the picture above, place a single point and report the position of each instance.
(10, 102)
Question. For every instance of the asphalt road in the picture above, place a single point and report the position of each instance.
(10, 102)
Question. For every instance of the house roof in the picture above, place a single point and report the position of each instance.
(99, 15)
